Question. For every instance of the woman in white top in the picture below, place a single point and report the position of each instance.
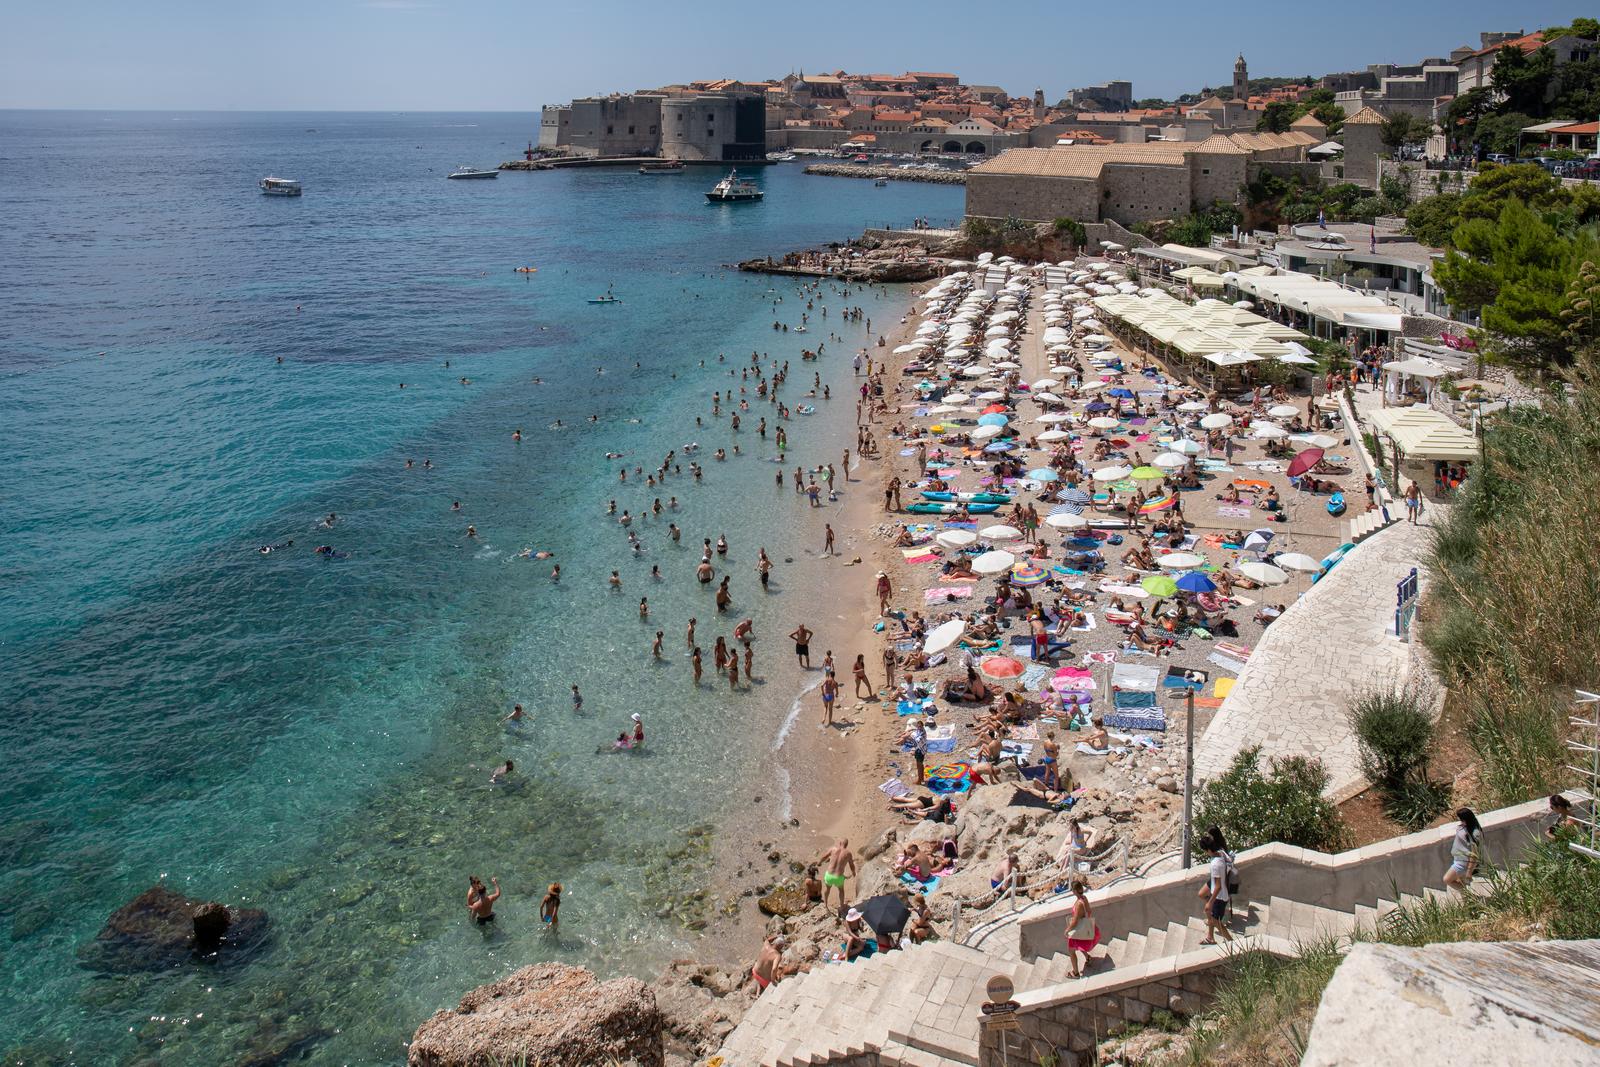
(1464, 850)
(1215, 891)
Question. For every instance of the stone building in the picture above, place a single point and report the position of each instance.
(604, 125)
(1241, 79)
(1109, 96)
(1362, 137)
(1127, 183)
(722, 127)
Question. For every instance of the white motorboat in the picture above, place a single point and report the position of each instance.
(280, 187)
(468, 172)
(734, 190)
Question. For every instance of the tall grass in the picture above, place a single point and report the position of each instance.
(1513, 620)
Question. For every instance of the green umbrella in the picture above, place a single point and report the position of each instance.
(1147, 474)
(1159, 585)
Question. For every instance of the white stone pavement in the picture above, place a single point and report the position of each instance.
(1333, 643)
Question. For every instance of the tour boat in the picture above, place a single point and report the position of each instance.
(468, 172)
(734, 190)
(661, 166)
(280, 187)
(881, 183)
(607, 299)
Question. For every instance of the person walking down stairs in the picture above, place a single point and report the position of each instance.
(1083, 933)
(1215, 891)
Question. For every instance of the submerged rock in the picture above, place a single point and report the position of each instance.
(785, 901)
(161, 928)
(547, 1013)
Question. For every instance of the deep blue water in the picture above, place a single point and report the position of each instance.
(313, 736)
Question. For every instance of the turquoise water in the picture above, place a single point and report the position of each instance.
(313, 736)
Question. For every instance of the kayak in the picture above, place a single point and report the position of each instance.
(931, 508)
(805, 409)
(970, 498)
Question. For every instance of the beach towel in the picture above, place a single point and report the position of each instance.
(946, 592)
(1088, 625)
(1015, 749)
(1227, 663)
(919, 555)
(1236, 651)
(1084, 748)
(942, 786)
(1208, 702)
(1135, 677)
(1123, 590)
(1090, 658)
(1026, 731)
(913, 707)
(946, 747)
(894, 787)
(1224, 685)
(1233, 512)
(1137, 719)
(1035, 677)
(920, 886)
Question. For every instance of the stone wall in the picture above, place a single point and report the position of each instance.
(1214, 176)
(1132, 192)
(1071, 1031)
(1035, 199)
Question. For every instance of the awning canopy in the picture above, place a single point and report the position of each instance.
(1424, 434)
(1419, 367)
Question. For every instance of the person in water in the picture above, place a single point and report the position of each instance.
(550, 906)
(481, 902)
(516, 714)
(502, 773)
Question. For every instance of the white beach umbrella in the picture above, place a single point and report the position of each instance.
(997, 331)
(1050, 397)
(1050, 437)
(1297, 561)
(1091, 324)
(903, 349)
(1104, 422)
(983, 433)
(1007, 364)
(1053, 416)
(957, 398)
(1064, 521)
(943, 409)
(1265, 573)
(1112, 474)
(1188, 448)
(1043, 383)
(1170, 461)
(1061, 371)
(1283, 411)
(992, 394)
(1092, 387)
(1194, 405)
(977, 370)
(1216, 420)
(944, 635)
(1315, 440)
(955, 538)
(1001, 532)
(1097, 340)
(1180, 561)
(996, 562)
(1267, 431)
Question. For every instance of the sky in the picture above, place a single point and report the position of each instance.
(515, 55)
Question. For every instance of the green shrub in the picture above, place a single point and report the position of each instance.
(1283, 804)
(1416, 801)
(1393, 728)
(1074, 229)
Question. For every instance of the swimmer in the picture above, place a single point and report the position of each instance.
(616, 581)
(516, 435)
(455, 505)
(516, 714)
(472, 531)
(502, 773)
(555, 573)
(330, 520)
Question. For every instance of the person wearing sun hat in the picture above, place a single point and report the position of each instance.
(855, 939)
(638, 731)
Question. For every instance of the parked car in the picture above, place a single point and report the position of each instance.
(1588, 170)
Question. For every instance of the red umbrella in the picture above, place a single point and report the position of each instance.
(1304, 462)
(995, 409)
(998, 667)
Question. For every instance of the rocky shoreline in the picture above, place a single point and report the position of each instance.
(857, 170)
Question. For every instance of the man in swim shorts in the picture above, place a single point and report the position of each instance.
(480, 902)
(838, 863)
(802, 645)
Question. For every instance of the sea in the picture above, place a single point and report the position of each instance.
(191, 372)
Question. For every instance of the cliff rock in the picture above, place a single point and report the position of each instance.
(547, 1013)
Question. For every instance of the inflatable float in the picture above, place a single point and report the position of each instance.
(931, 508)
(969, 498)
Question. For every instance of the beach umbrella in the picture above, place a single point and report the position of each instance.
(1297, 561)
(1063, 520)
(1043, 474)
(1052, 436)
(1194, 405)
(1304, 462)
(942, 409)
(983, 433)
(1091, 387)
(1216, 421)
(1283, 411)
(956, 398)
(1111, 474)
(1179, 561)
(1159, 585)
(1000, 667)
(1188, 448)
(1053, 416)
(1094, 407)
(1105, 422)
(993, 418)
(903, 349)
(1257, 540)
(1265, 573)
(1158, 503)
(1073, 495)
(1146, 474)
(1315, 440)
(1048, 397)
(977, 370)
(1097, 340)
(992, 394)
(1044, 383)
(993, 562)
(1028, 575)
(955, 538)
(1267, 431)
(1170, 460)
(1120, 391)
(944, 635)
(1001, 532)
(1196, 582)
(1000, 446)
(1007, 364)
(886, 913)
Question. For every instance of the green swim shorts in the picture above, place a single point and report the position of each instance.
(832, 879)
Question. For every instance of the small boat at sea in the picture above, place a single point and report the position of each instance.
(881, 183)
(661, 166)
(280, 187)
(469, 172)
(734, 190)
(607, 299)
(931, 508)
(781, 157)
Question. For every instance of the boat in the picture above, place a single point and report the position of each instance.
(661, 166)
(607, 299)
(280, 187)
(880, 183)
(734, 190)
(931, 508)
(969, 498)
(781, 157)
(526, 270)
(467, 172)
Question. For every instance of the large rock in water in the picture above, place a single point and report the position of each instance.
(548, 1013)
(160, 928)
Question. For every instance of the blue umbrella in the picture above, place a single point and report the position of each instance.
(1097, 406)
(1196, 582)
(994, 418)
(1126, 394)
(1043, 474)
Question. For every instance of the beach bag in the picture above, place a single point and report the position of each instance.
(1083, 929)
(1232, 877)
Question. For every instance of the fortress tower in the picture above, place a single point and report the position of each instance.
(1241, 80)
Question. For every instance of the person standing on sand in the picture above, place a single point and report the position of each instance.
(917, 738)
(827, 539)
(802, 645)
(1413, 503)
(830, 692)
(885, 591)
(860, 671)
(838, 864)
(889, 663)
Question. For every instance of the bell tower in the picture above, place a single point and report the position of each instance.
(1241, 80)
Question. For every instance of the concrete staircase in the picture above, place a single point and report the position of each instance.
(920, 1006)
(1367, 523)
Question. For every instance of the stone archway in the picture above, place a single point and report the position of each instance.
(928, 146)
(975, 148)
(951, 146)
